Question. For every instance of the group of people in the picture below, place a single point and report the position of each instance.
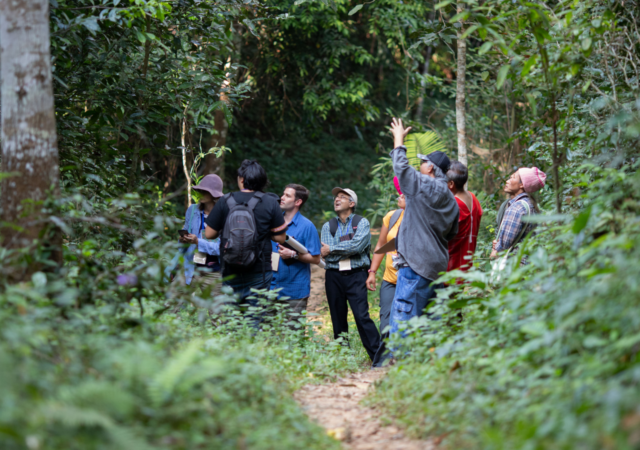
(242, 239)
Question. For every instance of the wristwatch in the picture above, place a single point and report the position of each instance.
(295, 254)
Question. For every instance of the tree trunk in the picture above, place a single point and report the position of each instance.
(211, 163)
(460, 93)
(29, 139)
(183, 141)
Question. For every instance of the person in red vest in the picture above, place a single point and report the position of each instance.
(463, 246)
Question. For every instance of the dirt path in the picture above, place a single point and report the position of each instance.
(336, 406)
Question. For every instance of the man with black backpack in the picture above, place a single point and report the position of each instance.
(247, 221)
(346, 244)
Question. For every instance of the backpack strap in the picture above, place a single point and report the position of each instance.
(354, 223)
(255, 200)
(333, 226)
(394, 218)
(231, 202)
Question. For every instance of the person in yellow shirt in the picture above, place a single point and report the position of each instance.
(390, 226)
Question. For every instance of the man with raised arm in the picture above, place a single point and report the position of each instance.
(430, 222)
(293, 274)
(346, 241)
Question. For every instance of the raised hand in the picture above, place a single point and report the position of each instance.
(399, 132)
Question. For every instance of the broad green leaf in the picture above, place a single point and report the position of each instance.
(532, 103)
(141, 37)
(355, 9)
(443, 4)
(582, 220)
(502, 75)
(484, 48)
(529, 65)
(461, 16)
(469, 31)
(484, 75)
(586, 44)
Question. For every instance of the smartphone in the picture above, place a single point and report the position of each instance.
(183, 233)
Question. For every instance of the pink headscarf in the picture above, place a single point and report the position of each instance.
(396, 183)
(532, 178)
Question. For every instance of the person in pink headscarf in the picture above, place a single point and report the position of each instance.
(511, 229)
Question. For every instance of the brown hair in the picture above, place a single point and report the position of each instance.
(302, 193)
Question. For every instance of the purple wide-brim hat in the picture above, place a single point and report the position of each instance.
(211, 184)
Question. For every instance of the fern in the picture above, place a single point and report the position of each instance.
(163, 384)
(123, 438)
(423, 143)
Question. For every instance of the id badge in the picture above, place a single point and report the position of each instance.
(275, 261)
(344, 264)
(200, 258)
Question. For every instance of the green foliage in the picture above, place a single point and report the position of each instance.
(424, 144)
(546, 357)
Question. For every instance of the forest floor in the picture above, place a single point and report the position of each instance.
(336, 406)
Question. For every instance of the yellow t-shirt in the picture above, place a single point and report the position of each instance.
(391, 274)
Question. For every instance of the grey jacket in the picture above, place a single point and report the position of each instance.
(430, 218)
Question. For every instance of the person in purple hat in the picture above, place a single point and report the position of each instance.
(201, 255)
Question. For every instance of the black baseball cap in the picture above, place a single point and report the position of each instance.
(438, 158)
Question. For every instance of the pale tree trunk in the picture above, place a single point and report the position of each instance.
(213, 164)
(183, 140)
(29, 139)
(460, 94)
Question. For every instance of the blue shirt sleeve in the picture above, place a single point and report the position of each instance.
(312, 240)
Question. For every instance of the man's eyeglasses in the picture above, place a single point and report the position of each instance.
(343, 197)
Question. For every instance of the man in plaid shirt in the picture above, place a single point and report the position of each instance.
(346, 254)
(512, 230)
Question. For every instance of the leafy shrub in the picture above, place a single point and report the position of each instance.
(547, 357)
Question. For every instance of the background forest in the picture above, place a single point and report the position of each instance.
(151, 95)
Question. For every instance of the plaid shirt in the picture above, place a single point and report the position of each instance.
(512, 225)
(355, 249)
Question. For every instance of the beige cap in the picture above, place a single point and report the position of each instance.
(349, 192)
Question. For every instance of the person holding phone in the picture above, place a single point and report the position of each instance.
(201, 256)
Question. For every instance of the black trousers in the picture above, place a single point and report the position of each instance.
(351, 286)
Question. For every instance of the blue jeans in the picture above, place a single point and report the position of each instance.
(413, 294)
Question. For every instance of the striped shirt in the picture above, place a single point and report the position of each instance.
(355, 249)
(512, 225)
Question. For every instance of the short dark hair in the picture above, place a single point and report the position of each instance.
(302, 193)
(255, 178)
(458, 173)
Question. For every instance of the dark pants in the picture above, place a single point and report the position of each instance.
(242, 283)
(294, 309)
(351, 286)
(387, 292)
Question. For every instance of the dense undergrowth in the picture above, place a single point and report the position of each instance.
(547, 355)
(105, 354)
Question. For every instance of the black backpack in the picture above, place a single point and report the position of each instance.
(333, 227)
(240, 246)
